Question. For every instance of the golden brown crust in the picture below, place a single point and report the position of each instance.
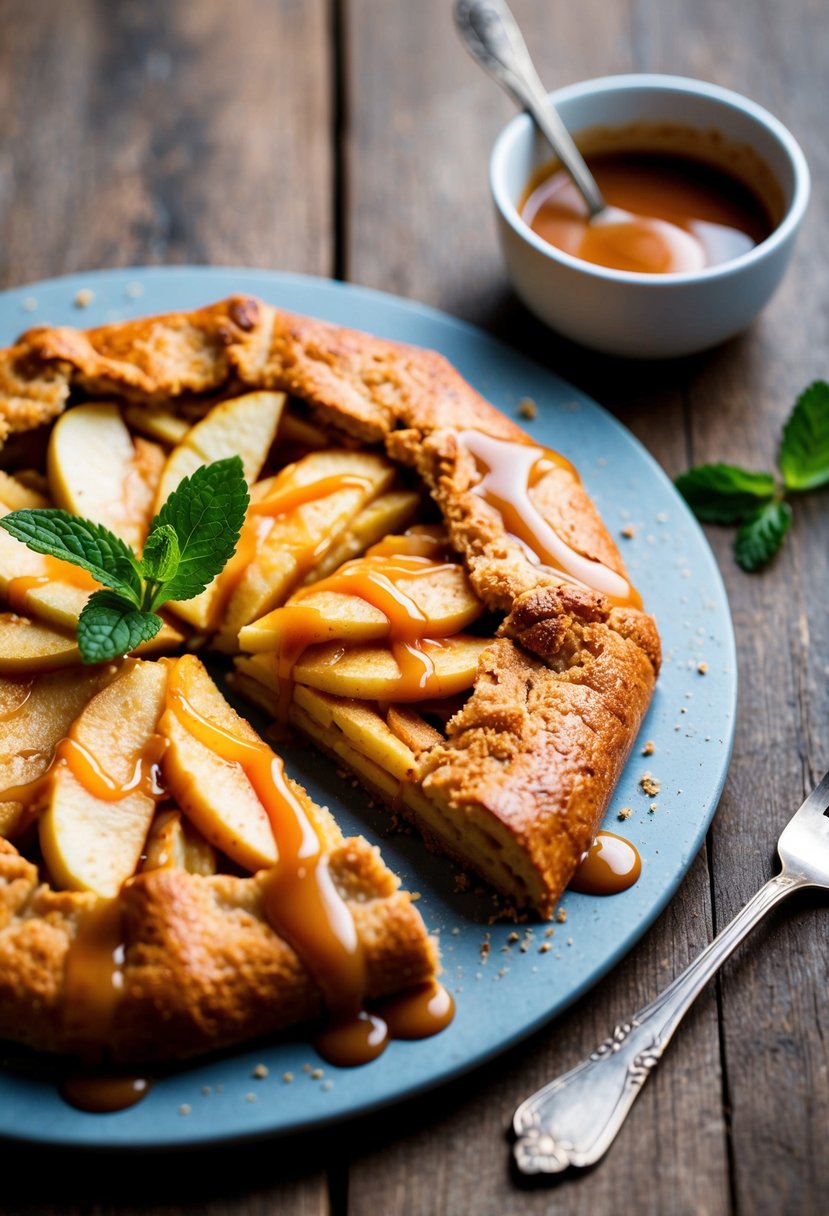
(203, 968)
(560, 697)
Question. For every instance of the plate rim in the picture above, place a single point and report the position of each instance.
(195, 1139)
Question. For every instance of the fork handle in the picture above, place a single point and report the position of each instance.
(572, 1121)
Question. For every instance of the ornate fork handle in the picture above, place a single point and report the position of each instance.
(573, 1120)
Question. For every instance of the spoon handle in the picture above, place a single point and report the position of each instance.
(491, 35)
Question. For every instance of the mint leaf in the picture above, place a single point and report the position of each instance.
(206, 511)
(804, 450)
(762, 535)
(79, 541)
(161, 556)
(724, 493)
(111, 625)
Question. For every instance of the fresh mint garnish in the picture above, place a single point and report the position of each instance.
(188, 544)
(762, 534)
(110, 626)
(727, 494)
(804, 450)
(724, 493)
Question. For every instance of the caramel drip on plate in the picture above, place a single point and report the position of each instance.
(509, 470)
(419, 1013)
(52, 570)
(610, 865)
(301, 900)
(104, 1093)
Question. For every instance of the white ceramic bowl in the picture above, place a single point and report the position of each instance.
(642, 315)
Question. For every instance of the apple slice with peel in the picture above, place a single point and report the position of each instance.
(241, 426)
(91, 842)
(160, 424)
(35, 715)
(371, 672)
(31, 646)
(97, 470)
(215, 795)
(174, 844)
(443, 594)
(297, 537)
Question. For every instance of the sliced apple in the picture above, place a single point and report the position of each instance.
(300, 536)
(90, 843)
(17, 496)
(157, 423)
(363, 726)
(31, 646)
(98, 471)
(385, 514)
(35, 715)
(443, 594)
(412, 729)
(299, 432)
(215, 795)
(174, 844)
(241, 426)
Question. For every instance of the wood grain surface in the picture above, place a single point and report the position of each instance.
(351, 137)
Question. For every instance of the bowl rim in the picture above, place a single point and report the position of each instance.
(656, 82)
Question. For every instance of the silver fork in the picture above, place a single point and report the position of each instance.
(573, 1120)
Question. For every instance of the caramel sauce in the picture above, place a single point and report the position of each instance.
(145, 777)
(419, 1013)
(52, 570)
(374, 579)
(667, 214)
(93, 974)
(301, 900)
(509, 470)
(358, 1040)
(102, 1093)
(285, 496)
(610, 865)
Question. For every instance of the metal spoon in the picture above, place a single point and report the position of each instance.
(491, 35)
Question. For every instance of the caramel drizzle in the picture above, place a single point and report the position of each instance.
(285, 496)
(610, 865)
(374, 579)
(94, 975)
(85, 767)
(52, 570)
(508, 472)
(301, 900)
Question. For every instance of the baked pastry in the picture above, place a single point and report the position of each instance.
(495, 705)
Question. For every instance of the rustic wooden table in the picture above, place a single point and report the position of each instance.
(349, 138)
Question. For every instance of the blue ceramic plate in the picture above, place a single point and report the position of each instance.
(502, 993)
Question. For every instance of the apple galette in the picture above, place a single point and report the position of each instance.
(421, 590)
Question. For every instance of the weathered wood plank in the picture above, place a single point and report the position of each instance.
(421, 122)
(165, 132)
(150, 132)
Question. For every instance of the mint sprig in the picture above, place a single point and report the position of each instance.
(189, 542)
(728, 494)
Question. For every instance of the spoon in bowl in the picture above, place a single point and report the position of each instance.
(493, 38)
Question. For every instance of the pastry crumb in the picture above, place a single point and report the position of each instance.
(326, 1085)
(652, 808)
(513, 937)
(629, 531)
(185, 1109)
(649, 748)
(702, 668)
(250, 1096)
(207, 1089)
(84, 297)
(650, 785)
(561, 915)
(527, 408)
(545, 947)
(317, 1074)
(549, 931)
(306, 1067)
(287, 1077)
(260, 1072)
(625, 813)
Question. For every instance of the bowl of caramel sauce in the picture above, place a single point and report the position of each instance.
(706, 192)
